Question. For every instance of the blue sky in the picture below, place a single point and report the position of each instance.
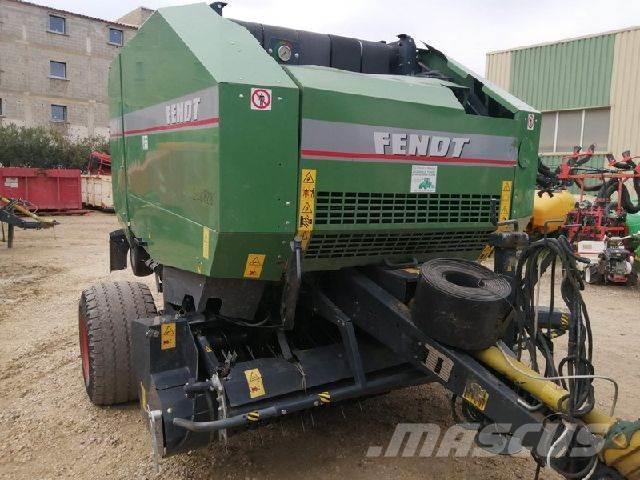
(463, 29)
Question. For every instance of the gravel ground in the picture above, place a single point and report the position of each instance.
(49, 429)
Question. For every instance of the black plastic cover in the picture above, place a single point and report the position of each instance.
(118, 249)
(162, 371)
(344, 53)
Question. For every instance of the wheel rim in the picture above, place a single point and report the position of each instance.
(84, 350)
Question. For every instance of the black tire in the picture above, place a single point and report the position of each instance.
(105, 313)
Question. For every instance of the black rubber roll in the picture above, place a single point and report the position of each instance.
(461, 303)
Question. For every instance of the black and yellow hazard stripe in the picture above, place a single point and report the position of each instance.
(325, 397)
(253, 416)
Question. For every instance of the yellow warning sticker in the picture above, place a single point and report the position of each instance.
(503, 214)
(254, 381)
(476, 395)
(254, 264)
(505, 201)
(205, 242)
(167, 336)
(486, 253)
(307, 205)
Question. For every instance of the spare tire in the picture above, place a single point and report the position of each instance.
(461, 303)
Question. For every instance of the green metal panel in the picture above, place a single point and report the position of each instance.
(524, 176)
(365, 210)
(205, 193)
(573, 74)
(259, 179)
(227, 50)
(116, 147)
(422, 91)
(163, 179)
(205, 180)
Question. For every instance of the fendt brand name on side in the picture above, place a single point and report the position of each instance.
(419, 145)
(182, 112)
(384, 143)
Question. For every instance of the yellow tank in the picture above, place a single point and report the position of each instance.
(547, 208)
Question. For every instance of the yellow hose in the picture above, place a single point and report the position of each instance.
(622, 450)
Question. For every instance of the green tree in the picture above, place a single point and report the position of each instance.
(42, 147)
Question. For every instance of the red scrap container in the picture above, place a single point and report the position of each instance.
(55, 189)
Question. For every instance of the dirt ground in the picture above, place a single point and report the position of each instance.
(49, 429)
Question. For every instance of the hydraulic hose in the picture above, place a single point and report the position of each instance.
(609, 188)
(621, 449)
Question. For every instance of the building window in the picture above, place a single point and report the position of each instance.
(116, 37)
(548, 131)
(57, 24)
(563, 130)
(596, 127)
(1, 111)
(58, 113)
(57, 69)
(568, 130)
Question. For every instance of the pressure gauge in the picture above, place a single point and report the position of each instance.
(284, 53)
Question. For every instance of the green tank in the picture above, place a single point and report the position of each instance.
(633, 222)
(226, 145)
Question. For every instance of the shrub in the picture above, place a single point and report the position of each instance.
(42, 147)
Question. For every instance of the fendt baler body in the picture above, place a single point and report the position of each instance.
(401, 170)
(286, 189)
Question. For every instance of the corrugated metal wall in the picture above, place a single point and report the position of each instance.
(499, 69)
(625, 94)
(573, 74)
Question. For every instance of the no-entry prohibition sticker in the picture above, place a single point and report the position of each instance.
(260, 99)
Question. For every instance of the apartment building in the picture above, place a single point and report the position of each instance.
(54, 66)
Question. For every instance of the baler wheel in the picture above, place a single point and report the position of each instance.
(105, 313)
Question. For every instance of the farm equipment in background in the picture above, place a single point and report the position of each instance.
(597, 226)
(594, 224)
(552, 201)
(611, 260)
(97, 191)
(550, 209)
(99, 164)
(14, 213)
(312, 207)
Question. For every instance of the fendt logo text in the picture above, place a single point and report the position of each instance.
(182, 112)
(419, 145)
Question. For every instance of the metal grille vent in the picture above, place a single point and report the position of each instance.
(342, 208)
(373, 244)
